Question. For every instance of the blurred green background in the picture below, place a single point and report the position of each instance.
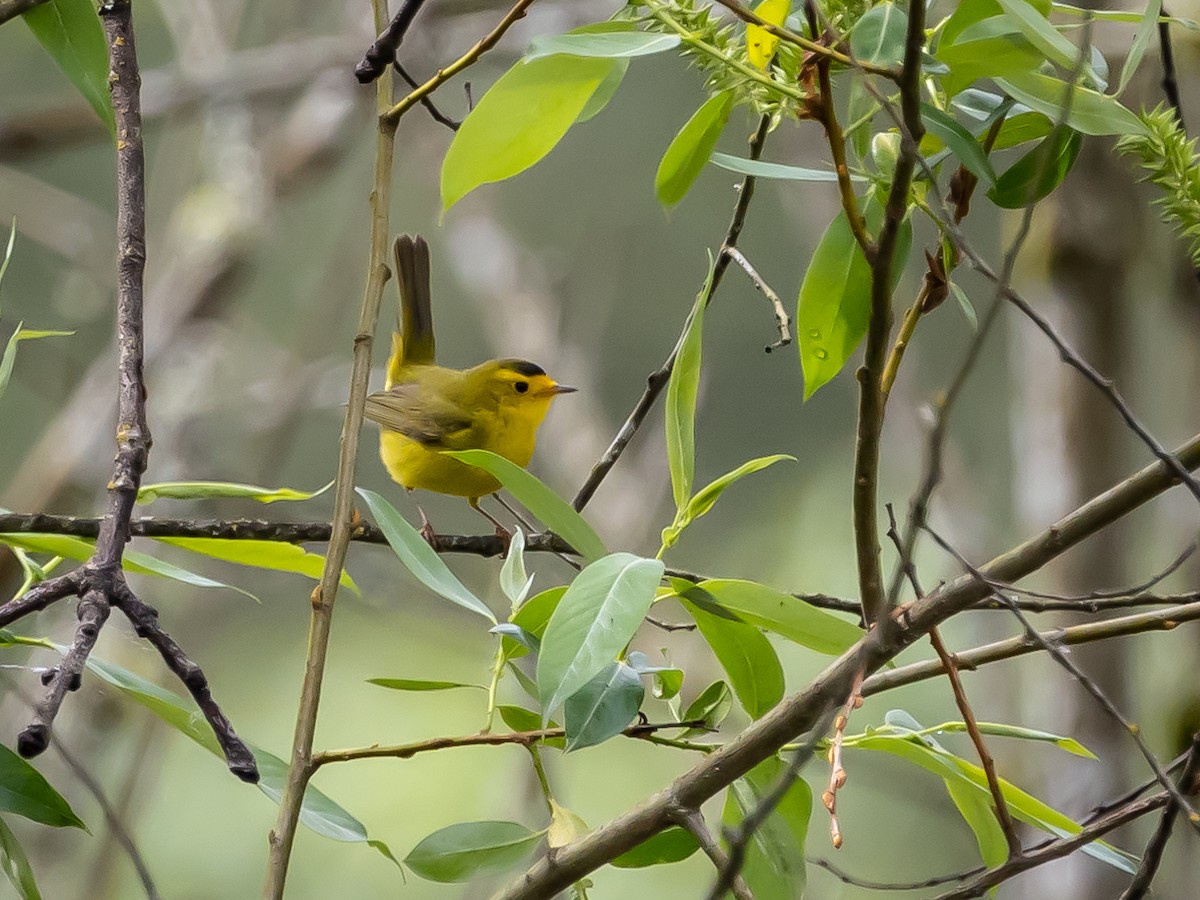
(260, 148)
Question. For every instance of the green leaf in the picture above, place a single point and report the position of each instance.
(835, 298)
(533, 617)
(964, 303)
(672, 845)
(760, 169)
(746, 656)
(593, 622)
(470, 849)
(556, 513)
(8, 249)
(1145, 30)
(520, 719)
(691, 148)
(1090, 112)
(1045, 37)
(603, 707)
(623, 44)
(15, 865)
(514, 580)
(10, 351)
(419, 558)
(774, 867)
(1036, 174)
(783, 614)
(70, 32)
(419, 684)
(987, 57)
(960, 141)
(682, 390)
(1021, 128)
(207, 490)
(878, 37)
(25, 792)
(704, 501)
(606, 91)
(519, 120)
(565, 826)
(980, 815)
(274, 555)
(1070, 745)
(711, 706)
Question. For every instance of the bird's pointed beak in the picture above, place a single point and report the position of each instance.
(556, 389)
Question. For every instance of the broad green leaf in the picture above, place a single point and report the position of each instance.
(705, 499)
(15, 865)
(667, 680)
(878, 37)
(987, 57)
(682, 391)
(420, 684)
(565, 826)
(760, 43)
(606, 91)
(691, 149)
(623, 44)
(207, 490)
(70, 32)
(1036, 174)
(746, 656)
(519, 120)
(9, 360)
(979, 813)
(1090, 111)
(711, 706)
(775, 867)
(554, 512)
(419, 558)
(274, 555)
(1021, 128)
(669, 846)
(1145, 31)
(783, 614)
(760, 169)
(514, 580)
(25, 792)
(835, 298)
(593, 622)
(960, 141)
(969, 13)
(526, 683)
(532, 617)
(520, 719)
(602, 707)
(317, 812)
(1044, 36)
(469, 850)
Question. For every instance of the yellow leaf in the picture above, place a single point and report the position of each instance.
(760, 43)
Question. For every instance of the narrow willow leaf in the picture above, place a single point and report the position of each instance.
(8, 249)
(70, 32)
(1021, 128)
(989, 57)
(519, 120)
(691, 148)
(960, 141)
(15, 865)
(274, 555)
(1141, 40)
(1070, 745)
(835, 298)
(760, 169)
(1044, 36)
(516, 633)
(9, 359)
(602, 707)
(706, 499)
(1090, 111)
(980, 815)
(682, 391)
(711, 707)
(965, 304)
(622, 44)
(419, 558)
(1036, 174)
(25, 792)
(532, 617)
(207, 490)
(746, 656)
(520, 719)
(514, 580)
(593, 622)
(672, 845)
(606, 91)
(419, 684)
(760, 43)
(878, 37)
(556, 513)
(783, 614)
(468, 850)
(775, 867)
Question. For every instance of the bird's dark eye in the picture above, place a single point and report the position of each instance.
(521, 387)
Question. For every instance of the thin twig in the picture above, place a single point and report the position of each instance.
(693, 821)
(382, 53)
(846, 878)
(657, 380)
(837, 771)
(436, 114)
(1170, 79)
(782, 321)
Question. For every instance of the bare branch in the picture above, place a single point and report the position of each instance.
(782, 320)
(382, 53)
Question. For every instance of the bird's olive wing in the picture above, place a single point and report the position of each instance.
(418, 414)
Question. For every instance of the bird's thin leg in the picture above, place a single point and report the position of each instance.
(529, 527)
(427, 532)
(501, 532)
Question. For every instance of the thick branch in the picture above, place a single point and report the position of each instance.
(382, 53)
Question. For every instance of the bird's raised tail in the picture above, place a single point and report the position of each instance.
(413, 344)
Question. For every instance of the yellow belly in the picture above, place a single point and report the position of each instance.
(413, 465)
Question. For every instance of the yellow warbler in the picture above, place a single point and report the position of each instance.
(760, 43)
(426, 408)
